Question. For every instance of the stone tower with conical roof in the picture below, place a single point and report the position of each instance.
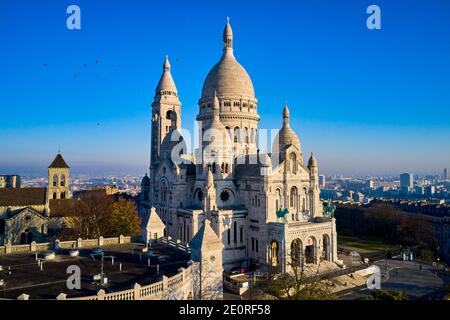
(316, 207)
(166, 106)
(58, 179)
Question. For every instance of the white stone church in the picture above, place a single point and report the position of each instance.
(263, 207)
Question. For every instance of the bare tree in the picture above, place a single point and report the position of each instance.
(303, 282)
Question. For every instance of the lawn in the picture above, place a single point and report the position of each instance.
(364, 245)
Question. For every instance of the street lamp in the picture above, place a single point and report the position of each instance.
(386, 258)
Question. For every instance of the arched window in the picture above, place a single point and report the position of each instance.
(294, 198)
(252, 135)
(164, 191)
(278, 202)
(62, 180)
(198, 194)
(326, 248)
(237, 134)
(55, 180)
(293, 163)
(230, 132)
(169, 114)
(305, 200)
(246, 137)
(296, 253)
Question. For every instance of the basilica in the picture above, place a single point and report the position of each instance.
(263, 207)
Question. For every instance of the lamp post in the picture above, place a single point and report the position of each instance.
(386, 250)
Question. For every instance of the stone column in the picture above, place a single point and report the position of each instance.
(101, 294)
(137, 291)
(100, 241)
(333, 244)
(33, 246)
(165, 291)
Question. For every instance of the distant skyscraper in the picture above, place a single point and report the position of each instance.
(445, 174)
(370, 184)
(406, 180)
(419, 190)
(430, 190)
(322, 181)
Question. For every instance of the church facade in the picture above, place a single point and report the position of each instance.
(263, 206)
(25, 212)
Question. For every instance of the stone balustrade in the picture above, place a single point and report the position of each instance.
(79, 243)
(177, 287)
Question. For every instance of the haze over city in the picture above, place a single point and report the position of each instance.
(366, 103)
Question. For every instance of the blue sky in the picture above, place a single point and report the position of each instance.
(365, 101)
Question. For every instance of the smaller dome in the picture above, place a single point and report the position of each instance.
(312, 162)
(286, 136)
(166, 83)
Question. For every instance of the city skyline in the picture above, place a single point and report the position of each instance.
(358, 96)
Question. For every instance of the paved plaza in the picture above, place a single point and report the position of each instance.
(21, 273)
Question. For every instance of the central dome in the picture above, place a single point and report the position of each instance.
(228, 78)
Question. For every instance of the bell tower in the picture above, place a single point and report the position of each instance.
(58, 179)
(165, 107)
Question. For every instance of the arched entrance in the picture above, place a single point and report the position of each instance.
(310, 250)
(296, 253)
(326, 248)
(26, 237)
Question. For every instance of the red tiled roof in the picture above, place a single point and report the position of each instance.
(22, 196)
